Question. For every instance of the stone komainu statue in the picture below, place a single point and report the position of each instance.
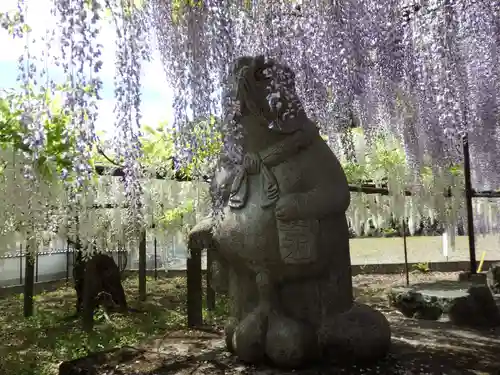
(284, 235)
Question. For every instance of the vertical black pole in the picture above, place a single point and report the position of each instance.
(21, 265)
(119, 259)
(36, 264)
(194, 277)
(156, 265)
(468, 203)
(67, 261)
(142, 265)
(405, 248)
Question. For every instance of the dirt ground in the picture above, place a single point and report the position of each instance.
(419, 347)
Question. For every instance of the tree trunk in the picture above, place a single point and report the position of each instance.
(98, 282)
(29, 281)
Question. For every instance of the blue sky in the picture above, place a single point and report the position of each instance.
(157, 95)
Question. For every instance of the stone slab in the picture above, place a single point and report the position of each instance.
(462, 302)
(476, 278)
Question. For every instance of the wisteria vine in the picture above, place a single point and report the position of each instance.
(425, 73)
(354, 58)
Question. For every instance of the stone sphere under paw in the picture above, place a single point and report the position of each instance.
(358, 335)
(289, 343)
(249, 337)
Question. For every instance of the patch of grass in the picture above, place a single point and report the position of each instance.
(36, 346)
(421, 267)
(373, 250)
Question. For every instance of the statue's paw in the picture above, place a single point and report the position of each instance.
(248, 337)
(289, 343)
(287, 207)
(200, 237)
(358, 335)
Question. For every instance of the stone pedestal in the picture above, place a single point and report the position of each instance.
(463, 303)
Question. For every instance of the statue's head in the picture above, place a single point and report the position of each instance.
(265, 91)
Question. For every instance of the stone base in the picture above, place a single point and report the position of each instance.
(475, 278)
(463, 303)
(361, 335)
(358, 335)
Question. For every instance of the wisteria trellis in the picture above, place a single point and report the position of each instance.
(426, 72)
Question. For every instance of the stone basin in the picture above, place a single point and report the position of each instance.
(463, 303)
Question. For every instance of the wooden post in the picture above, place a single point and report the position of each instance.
(21, 265)
(405, 249)
(469, 194)
(36, 266)
(67, 261)
(156, 265)
(194, 289)
(142, 265)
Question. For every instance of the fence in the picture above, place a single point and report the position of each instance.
(367, 253)
(57, 263)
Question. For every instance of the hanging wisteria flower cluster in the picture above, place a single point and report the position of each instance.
(426, 73)
(78, 30)
(131, 51)
(437, 198)
(24, 195)
(29, 205)
(55, 205)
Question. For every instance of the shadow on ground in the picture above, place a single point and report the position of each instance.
(405, 358)
(153, 342)
(419, 347)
